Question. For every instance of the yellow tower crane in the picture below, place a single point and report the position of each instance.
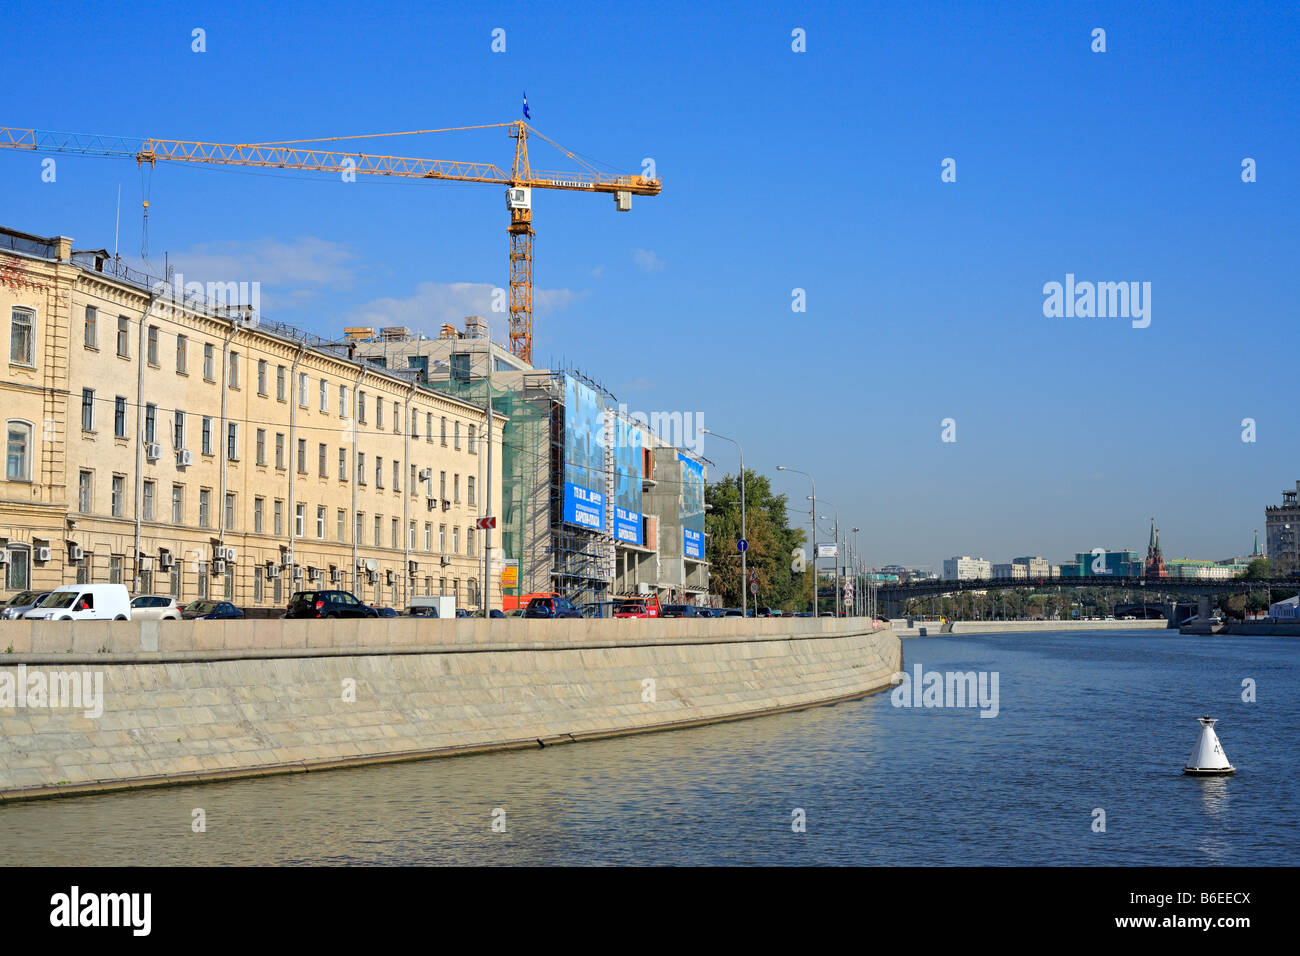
(295, 154)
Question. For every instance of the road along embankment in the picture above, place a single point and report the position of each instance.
(1021, 627)
(94, 706)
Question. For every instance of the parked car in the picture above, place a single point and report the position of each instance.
(640, 607)
(20, 604)
(431, 612)
(84, 602)
(551, 607)
(732, 612)
(211, 611)
(683, 610)
(600, 609)
(462, 612)
(327, 604)
(383, 611)
(151, 607)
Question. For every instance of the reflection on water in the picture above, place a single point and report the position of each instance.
(1086, 721)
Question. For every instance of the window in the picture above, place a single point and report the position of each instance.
(147, 506)
(279, 517)
(87, 409)
(181, 363)
(428, 426)
(397, 418)
(279, 450)
(118, 495)
(205, 505)
(343, 401)
(444, 431)
(209, 366)
(280, 383)
(442, 485)
(343, 464)
(150, 422)
(411, 483)
(302, 456)
(85, 491)
(379, 530)
(321, 454)
(231, 512)
(86, 569)
(178, 504)
(360, 531)
(18, 451)
(259, 515)
(415, 424)
(232, 441)
(361, 467)
(174, 585)
(18, 570)
(442, 587)
(397, 475)
(394, 537)
(299, 520)
(261, 446)
(473, 442)
(428, 536)
(342, 525)
(455, 488)
(361, 406)
(91, 332)
(207, 435)
(258, 595)
(410, 536)
(456, 443)
(320, 521)
(302, 389)
(455, 540)
(379, 413)
(178, 429)
(114, 569)
(261, 376)
(324, 396)
(469, 489)
(228, 584)
(123, 336)
(234, 370)
(442, 538)
(379, 472)
(203, 580)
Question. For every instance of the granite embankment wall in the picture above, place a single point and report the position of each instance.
(192, 701)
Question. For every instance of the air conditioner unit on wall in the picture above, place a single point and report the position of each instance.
(153, 451)
(165, 559)
(432, 502)
(4, 555)
(75, 553)
(226, 553)
(218, 567)
(184, 458)
(445, 560)
(272, 570)
(388, 576)
(412, 567)
(446, 505)
(334, 575)
(313, 574)
(42, 554)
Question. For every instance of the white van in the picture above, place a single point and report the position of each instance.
(84, 602)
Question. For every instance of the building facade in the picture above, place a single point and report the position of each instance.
(1282, 532)
(187, 449)
(966, 568)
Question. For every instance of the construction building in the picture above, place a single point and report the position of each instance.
(596, 506)
(166, 439)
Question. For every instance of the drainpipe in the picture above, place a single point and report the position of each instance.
(221, 437)
(139, 445)
(406, 498)
(355, 476)
(293, 458)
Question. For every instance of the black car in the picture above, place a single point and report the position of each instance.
(210, 611)
(383, 611)
(682, 610)
(550, 607)
(327, 604)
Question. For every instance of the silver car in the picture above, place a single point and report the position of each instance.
(151, 607)
(20, 604)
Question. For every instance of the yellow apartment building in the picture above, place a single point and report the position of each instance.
(184, 448)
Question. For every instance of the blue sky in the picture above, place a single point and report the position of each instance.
(817, 170)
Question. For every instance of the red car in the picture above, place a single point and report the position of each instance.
(648, 607)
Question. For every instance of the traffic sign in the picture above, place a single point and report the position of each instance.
(742, 545)
(753, 587)
(487, 522)
(753, 577)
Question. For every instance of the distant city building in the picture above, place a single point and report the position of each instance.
(1011, 570)
(1114, 563)
(1155, 563)
(1193, 569)
(1281, 524)
(1035, 567)
(966, 568)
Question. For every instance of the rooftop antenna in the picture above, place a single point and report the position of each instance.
(117, 222)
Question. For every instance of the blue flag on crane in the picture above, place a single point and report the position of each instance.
(527, 115)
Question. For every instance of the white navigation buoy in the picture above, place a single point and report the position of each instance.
(1208, 758)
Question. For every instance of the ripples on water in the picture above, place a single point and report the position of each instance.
(1087, 720)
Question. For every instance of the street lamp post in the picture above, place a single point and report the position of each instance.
(814, 540)
(836, 539)
(744, 565)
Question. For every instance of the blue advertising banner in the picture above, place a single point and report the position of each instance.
(584, 456)
(692, 507)
(627, 482)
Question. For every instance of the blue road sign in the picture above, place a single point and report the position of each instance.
(742, 545)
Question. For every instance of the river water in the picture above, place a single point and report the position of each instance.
(1086, 722)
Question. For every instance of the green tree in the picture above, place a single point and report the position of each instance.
(771, 543)
(1259, 569)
